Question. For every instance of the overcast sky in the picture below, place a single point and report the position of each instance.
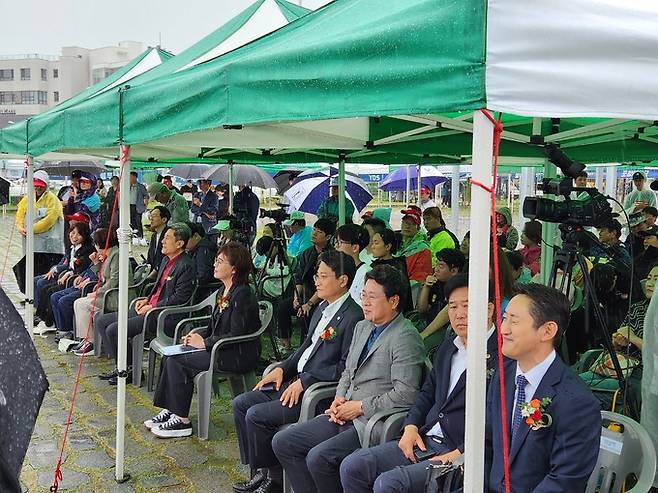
(38, 26)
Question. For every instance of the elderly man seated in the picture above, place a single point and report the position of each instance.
(173, 286)
(383, 371)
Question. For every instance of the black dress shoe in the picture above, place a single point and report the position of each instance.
(251, 485)
(269, 486)
(113, 381)
(109, 375)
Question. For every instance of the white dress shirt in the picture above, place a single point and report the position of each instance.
(358, 282)
(327, 314)
(457, 367)
(534, 378)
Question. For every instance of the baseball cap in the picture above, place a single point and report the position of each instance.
(79, 217)
(412, 214)
(425, 190)
(223, 225)
(41, 179)
(638, 175)
(294, 216)
(333, 182)
(156, 188)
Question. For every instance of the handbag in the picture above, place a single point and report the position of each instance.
(445, 477)
(603, 365)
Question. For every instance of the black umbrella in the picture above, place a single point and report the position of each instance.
(285, 177)
(23, 384)
(65, 168)
(4, 191)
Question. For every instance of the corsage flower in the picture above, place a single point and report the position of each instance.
(535, 413)
(328, 334)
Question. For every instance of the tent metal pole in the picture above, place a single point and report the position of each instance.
(124, 235)
(523, 193)
(341, 190)
(454, 201)
(478, 287)
(407, 197)
(599, 178)
(231, 183)
(611, 181)
(29, 245)
(419, 179)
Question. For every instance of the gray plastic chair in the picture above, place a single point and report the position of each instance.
(204, 380)
(162, 340)
(141, 272)
(622, 453)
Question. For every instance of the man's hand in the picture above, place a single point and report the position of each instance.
(333, 408)
(193, 340)
(290, 396)
(65, 277)
(651, 241)
(410, 439)
(144, 309)
(430, 281)
(275, 377)
(140, 303)
(304, 310)
(348, 411)
(83, 283)
(50, 274)
(447, 457)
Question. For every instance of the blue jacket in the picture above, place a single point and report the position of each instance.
(300, 241)
(557, 458)
(209, 206)
(433, 402)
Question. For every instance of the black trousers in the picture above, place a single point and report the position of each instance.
(176, 383)
(258, 415)
(311, 453)
(136, 221)
(108, 328)
(44, 308)
(284, 318)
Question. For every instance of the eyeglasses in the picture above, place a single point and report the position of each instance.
(319, 277)
(371, 297)
(219, 261)
(341, 242)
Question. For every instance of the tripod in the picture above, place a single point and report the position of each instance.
(275, 256)
(575, 240)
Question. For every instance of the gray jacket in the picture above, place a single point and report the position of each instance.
(141, 199)
(390, 375)
(111, 280)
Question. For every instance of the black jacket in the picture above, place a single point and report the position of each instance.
(433, 402)
(400, 264)
(305, 271)
(180, 283)
(203, 256)
(327, 360)
(154, 256)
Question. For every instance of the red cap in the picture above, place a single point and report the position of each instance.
(85, 178)
(366, 214)
(412, 214)
(80, 217)
(425, 190)
(40, 183)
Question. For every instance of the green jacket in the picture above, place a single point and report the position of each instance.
(413, 245)
(329, 209)
(180, 210)
(511, 239)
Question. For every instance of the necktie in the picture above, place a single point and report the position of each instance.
(366, 349)
(521, 382)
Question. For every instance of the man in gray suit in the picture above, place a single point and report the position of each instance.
(383, 371)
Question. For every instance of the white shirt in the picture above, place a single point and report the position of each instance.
(358, 282)
(457, 367)
(534, 378)
(327, 314)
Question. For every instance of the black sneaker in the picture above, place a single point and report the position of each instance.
(114, 380)
(173, 428)
(109, 375)
(269, 486)
(161, 418)
(85, 347)
(251, 485)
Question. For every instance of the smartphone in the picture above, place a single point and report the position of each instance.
(267, 387)
(423, 455)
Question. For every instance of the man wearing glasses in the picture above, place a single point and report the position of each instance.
(383, 371)
(276, 399)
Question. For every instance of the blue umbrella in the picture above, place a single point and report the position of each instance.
(312, 187)
(397, 180)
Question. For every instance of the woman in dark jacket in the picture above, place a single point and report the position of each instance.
(235, 314)
(383, 245)
(75, 261)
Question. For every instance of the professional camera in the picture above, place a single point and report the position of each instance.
(593, 210)
(278, 215)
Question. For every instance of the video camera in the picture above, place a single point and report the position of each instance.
(278, 215)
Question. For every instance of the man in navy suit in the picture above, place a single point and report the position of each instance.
(435, 424)
(555, 448)
(321, 358)
(204, 206)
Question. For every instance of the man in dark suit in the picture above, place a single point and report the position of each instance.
(159, 217)
(383, 371)
(321, 358)
(435, 424)
(174, 285)
(204, 205)
(556, 447)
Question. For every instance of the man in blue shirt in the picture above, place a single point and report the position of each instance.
(300, 239)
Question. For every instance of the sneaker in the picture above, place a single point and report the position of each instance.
(174, 427)
(63, 334)
(109, 375)
(143, 242)
(269, 486)
(161, 418)
(37, 320)
(115, 379)
(85, 347)
(251, 485)
(43, 329)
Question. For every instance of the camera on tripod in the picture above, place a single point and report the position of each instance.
(278, 215)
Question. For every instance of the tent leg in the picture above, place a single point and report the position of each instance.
(341, 190)
(419, 180)
(611, 181)
(478, 287)
(124, 234)
(29, 246)
(231, 184)
(407, 197)
(454, 200)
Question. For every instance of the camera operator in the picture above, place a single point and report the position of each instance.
(611, 247)
(229, 229)
(246, 207)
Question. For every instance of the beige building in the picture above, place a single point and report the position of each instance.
(30, 84)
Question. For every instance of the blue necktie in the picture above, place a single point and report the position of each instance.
(521, 382)
(366, 349)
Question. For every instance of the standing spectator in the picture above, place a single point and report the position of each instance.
(222, 206)
(48, 229)
(107, 204)
(426, 198)
(205, 205)
(508, 236)
(168, 182)
(415, 248)
(446, 194)
(139, 197)
(100, 189)
(172, 200)
(246, 208)
(188, 191)
(300, 239)
(67, 193)
(329, 207)
(437, 234)
(640, 198)
(531, 241)
(85, 200)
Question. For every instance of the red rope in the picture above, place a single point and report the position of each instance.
(498, 130)
(57, 475)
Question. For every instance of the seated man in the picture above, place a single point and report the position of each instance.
(159, 217)
(556, 450)
(382, 372)
(173, 286)
(203, 252)
(434, 426)
(277, 398)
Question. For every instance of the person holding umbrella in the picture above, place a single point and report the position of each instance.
(329, 207)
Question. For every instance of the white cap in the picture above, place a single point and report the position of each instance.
(43, 176)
